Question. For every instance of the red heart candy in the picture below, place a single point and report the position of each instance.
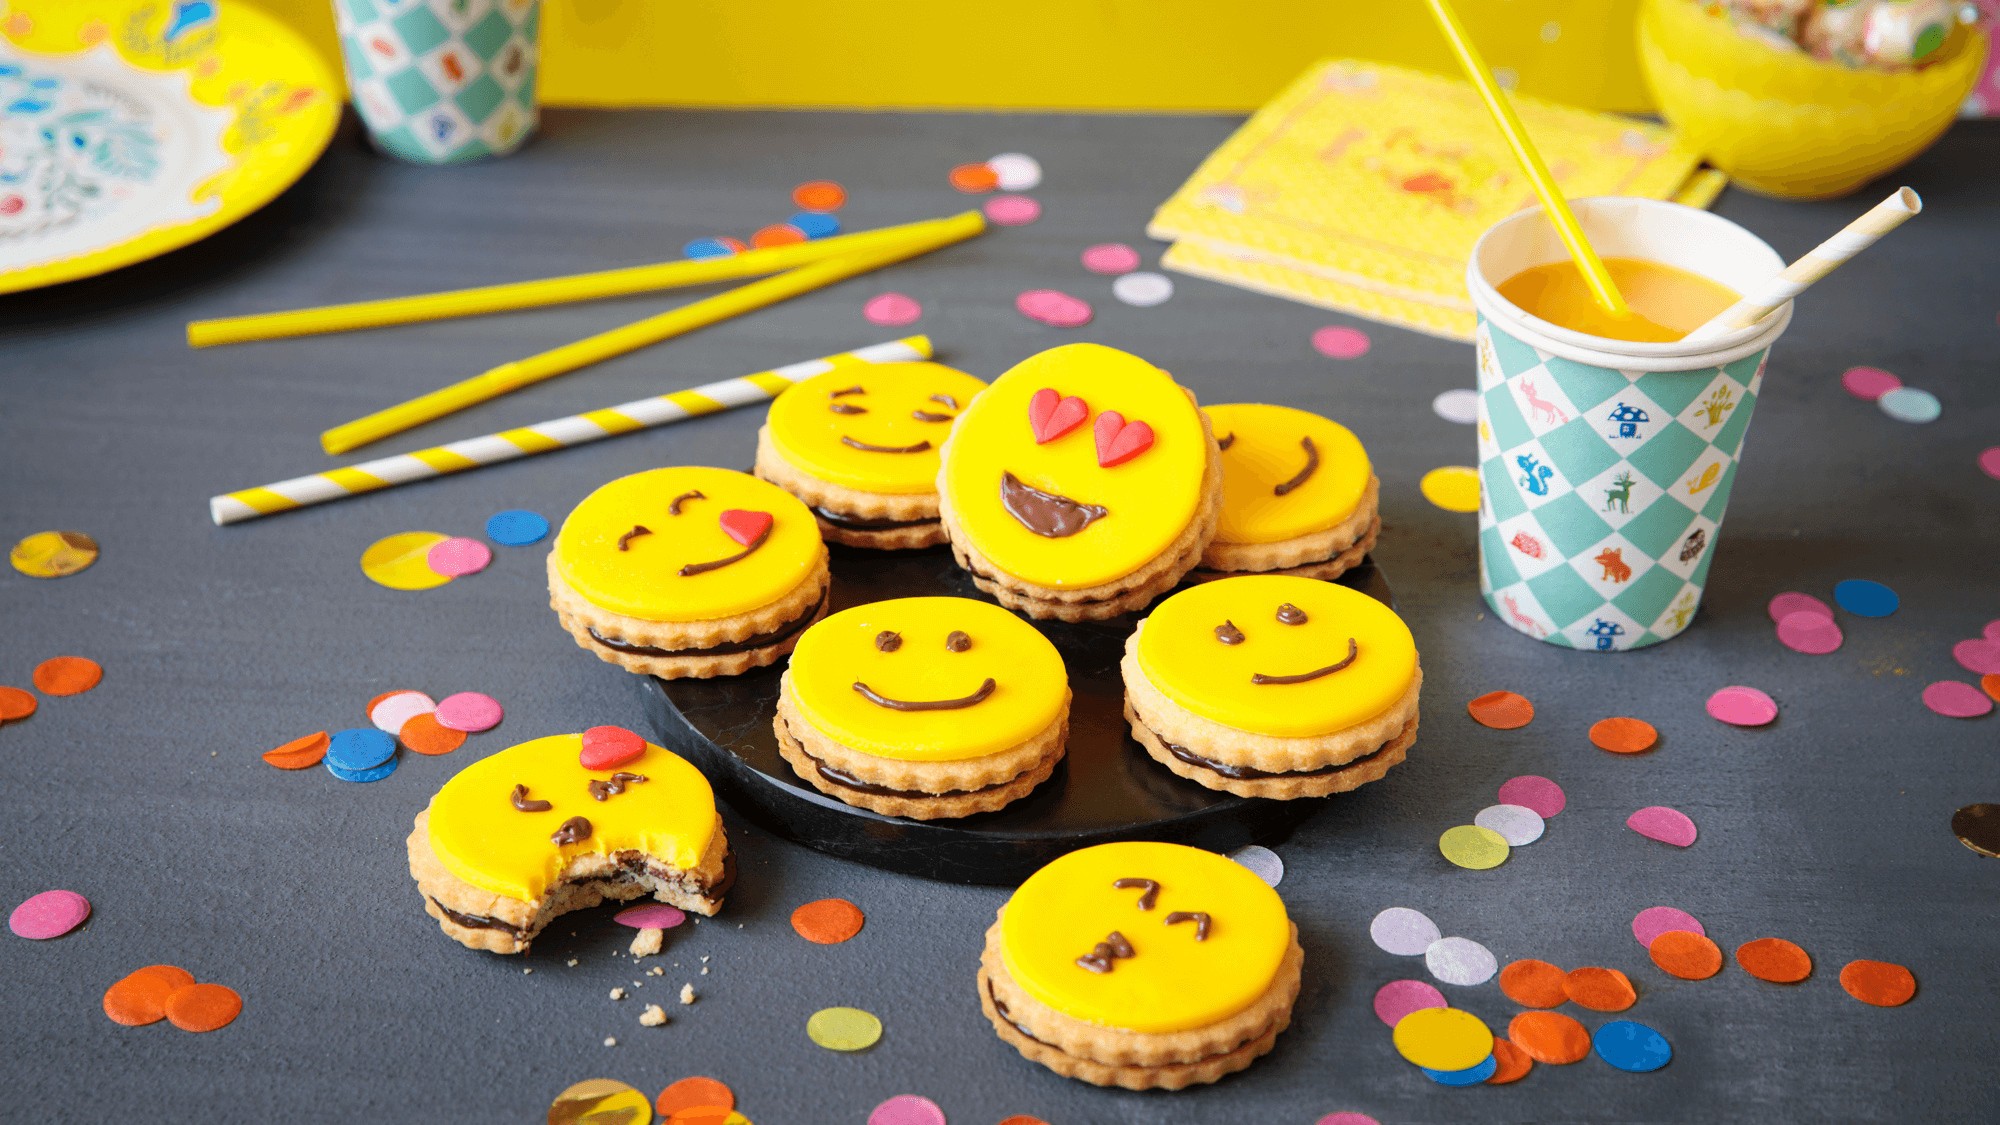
(610, 747)
(1051, 416)
(1118, 441)
(744, 526)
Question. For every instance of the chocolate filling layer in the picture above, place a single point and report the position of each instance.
(1251, 773)
(478, 921)
(855, 523)
(781, 633)
(847, 780)
(1001, 1008)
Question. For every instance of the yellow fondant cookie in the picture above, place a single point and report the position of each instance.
(1285, 472)
(876, 428)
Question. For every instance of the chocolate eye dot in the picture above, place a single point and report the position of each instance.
(1228, 633)
(958, 641)
(888, 641)
(1290, 614)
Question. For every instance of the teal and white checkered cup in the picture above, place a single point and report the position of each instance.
(442, 81)
(1606, 465)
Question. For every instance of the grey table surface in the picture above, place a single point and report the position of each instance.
(1828, 827)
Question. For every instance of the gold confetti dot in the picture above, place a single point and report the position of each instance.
(53, 554)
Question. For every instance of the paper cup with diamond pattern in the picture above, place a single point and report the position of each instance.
(1605, 466)
(442, 81)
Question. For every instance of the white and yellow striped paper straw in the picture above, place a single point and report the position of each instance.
(577, 429)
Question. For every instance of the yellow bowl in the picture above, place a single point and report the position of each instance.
(1786, 124)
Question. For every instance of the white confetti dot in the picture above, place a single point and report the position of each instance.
(1551, 31)
(1017, 171)
(1908, 404)
(1457, 960)
(1461, 406)
(1507, 77)
(1143, 289)
(1262, 861)
(1403, 931)
(1516, 824)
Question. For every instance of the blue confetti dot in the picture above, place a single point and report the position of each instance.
(812, 224)
(1908, 404)
(375, 774)
(359, 749)
(1865, 598)
(1631, 1046)
(707, 248)
(516, 527)
(1470, 1076)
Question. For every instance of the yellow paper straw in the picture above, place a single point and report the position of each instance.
(513, 376)
(558, 433)
(1819, 261)
(1553, 204)
(533, 294)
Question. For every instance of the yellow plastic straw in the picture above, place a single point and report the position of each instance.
(513, 376)
(550, 291)
(1553, 204)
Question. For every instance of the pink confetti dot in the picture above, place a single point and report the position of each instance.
(1347, 1118)
(1981, 656)
(1784, 605)
(469, 711)
(1668, 826)
(1868, 383)
(892, 310)
(400, 708)
(1809, 632)
(1059, 310)
(1956, 700)
(1989, 462)
(459, 556)
(49, 914)
(652, 916)
(1110, 258)
(1399, 998)
(1012, 210)
(1338, 342)
(1653, 921)
(1742, 707)
(1992, 631)
(907, 1109)
(1537, 793)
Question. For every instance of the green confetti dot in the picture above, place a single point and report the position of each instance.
(1471, 846)
(845, 1029)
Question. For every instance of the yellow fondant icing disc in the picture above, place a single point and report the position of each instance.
(897, 406)
(1171, 982)
(1182, 655)
(1265, 452)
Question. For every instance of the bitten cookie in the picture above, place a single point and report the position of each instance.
(924, 707)
(859, 445)
(1273, 686)
(688, 572)
(1141, 965)
(1298, 495)
(564, 823)
(1081, 485)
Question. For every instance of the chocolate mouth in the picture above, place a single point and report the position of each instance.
(1251, 773)
(762, 640)
(1307, 677)
(916, 447)
(855, 523)
(1048, 514)
(964, 701)
(847, 780)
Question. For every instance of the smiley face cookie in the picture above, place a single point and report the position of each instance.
(859, 445)
(1298, 495)
(1273, 686)
(924, 707)
(688, 572)
(1081, 485)
(564, 823)
(1141, 965)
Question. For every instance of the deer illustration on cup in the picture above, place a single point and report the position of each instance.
(1620, 494)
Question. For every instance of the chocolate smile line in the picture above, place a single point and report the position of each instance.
(979, 696)
(692, 569)
(1302, 677)
(849, 442)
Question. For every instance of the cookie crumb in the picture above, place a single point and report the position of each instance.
(572, 962)
(656, 971)
(704, 970)
(687, 994)
(653, 1016)
(618, 994)
(648, 941)
(610, 1042)
(527, 970)
(704, 958)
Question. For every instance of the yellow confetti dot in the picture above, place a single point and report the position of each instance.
(1471, 846)
(1443, 1039)
(1455, 488)
(53, 554)
(601, 1099)
(844, 1029)
(401, 562)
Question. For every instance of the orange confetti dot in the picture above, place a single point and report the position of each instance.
(1549, 1037)
(693, 1093)
(1535, 984)
(1685, 954)
(1878, 982)
(974, 179)
(67, 675)
(1991, 682)
(1623, 736)
(173, 974)
(16, 704)
(777, 234)
(1774, 959)
(1023, 1119)
(1510, 1063)
(819, 195)
(424, 734)
(299, 752)
(141, 998)
(829, 921)
(203, 1007)
(1501, 710)
(1600, 990)
(700, 1115)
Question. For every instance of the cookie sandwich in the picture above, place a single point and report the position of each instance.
(1273, 686)
(924, 707)
(688, 572)
(564, 823)
(1081, 485)
(1298, 495)
(1141, 965)
(859, 445)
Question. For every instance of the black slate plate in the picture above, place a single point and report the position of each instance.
(1105, 789)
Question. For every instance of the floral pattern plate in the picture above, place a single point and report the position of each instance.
(128, 129)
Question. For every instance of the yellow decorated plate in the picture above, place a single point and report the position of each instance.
(129, 128)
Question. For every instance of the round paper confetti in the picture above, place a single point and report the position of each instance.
(1462, 961)
(1513, 1063)
(1474, 848)
(1632, 1046)
(1549, 1037)
(813, 195)
(1866, 599)
(360, 749)
(376, 774)
(425, 735)
(1015, 171)
(973, 179)
(1685, 954)
(1012, 210)
(1956, 700)
(812, 224)
(1545, 797)
(1742, 707)
(1110, 258)
(907, 1109)
(203, 1007)
(1878, 982)
(141, 998)
(49, 914)
(1990, 684)
(1814, 634)
(777, 234)
(16, 704)
(1457, 405)
(1022, 1119)
(400, 562)
(707, 1115)
(1262, 861)
(299, 753)
(1058, 310)
(601, 1099)
(1623, 736)
(1455, 488)
(1775, 960)
(1976, 826)
(1443, 1039)
(1869, 383)
(1339, 342)
(458, 556)
(892, 310)
(1784, 605)
(1143, 290)
(1471, 1076)
(376, 702)
(391, 713)
(829, 921)
(1501, 710)
(689, 1093)
(1981, 656)
(1406, 932)
(53, 554)
(1516, 824)
(1534, 984)
(1908, 404)
(1989, 462)
(67, 675)
(652, 916)
(1399, 998)
(1656, 920)
(1658, 822)
(1992, 630)
(469, 711)
(843, 1029)
(712, 248)
(516, 527)
(1600, 989)
(1342, 1118)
